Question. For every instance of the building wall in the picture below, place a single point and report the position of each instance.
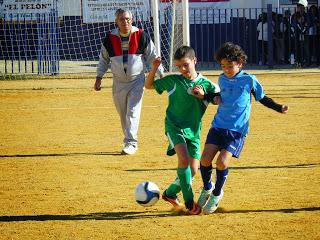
(275, 3)
(246, 3)
(73, 7)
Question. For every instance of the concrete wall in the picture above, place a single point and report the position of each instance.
(275, 3)
(73, 7)
(246, 3)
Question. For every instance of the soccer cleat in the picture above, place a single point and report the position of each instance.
(173, 200)
(193, 208)
(129, 149)
(212, 203)
(204, 197)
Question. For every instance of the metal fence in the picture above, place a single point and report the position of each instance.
(270, 37)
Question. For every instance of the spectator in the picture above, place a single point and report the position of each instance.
(287, 36)
(279, 31)
(299, 28)
(313, 35)
(127, 49)
(262, 29)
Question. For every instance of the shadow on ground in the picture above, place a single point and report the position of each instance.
(311, 165)
(140, 215)
(116, 153)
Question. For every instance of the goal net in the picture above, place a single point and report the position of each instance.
(62, 38)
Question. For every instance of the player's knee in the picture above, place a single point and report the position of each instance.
(183, 162)
(221, 165)
(205, 161)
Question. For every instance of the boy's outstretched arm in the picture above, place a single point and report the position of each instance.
(268, 102)
(151, 75)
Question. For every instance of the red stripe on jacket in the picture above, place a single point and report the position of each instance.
(134, 41)
(116, 43)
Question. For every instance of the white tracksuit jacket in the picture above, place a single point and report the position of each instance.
(128, 86)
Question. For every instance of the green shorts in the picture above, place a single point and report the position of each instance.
(176, 136)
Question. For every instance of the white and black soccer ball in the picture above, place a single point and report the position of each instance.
(147, 194)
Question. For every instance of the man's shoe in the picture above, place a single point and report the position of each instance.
(204, 197)
(129, 149)
(174, 201)
(193, 208)
(212, 203)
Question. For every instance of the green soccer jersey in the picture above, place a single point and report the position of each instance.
(184, 111)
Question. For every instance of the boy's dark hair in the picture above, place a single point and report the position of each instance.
(231, 52)
(184, 52)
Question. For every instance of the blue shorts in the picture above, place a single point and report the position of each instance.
(226, 139)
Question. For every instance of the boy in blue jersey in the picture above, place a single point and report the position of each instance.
(183, 122)
(231, 122)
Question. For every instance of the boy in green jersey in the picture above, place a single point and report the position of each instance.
(183, 121)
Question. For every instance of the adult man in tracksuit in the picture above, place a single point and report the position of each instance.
(127, 48)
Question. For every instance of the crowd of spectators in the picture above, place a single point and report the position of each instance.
(296, 37)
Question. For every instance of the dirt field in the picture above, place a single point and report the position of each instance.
(62, 175)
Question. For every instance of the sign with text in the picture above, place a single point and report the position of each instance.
(103, 10)
(27, 9)
(200, 11)
(209, 11)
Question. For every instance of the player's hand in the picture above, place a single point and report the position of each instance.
(217, 100)
(198, 92)
(97, 84)
(156, 62)
(285, 108)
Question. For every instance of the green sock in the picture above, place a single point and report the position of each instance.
(174, 188)
(184, 175)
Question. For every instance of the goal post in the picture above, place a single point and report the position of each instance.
(62, 38)
(156, 25)
(186, 24)
(177, 27)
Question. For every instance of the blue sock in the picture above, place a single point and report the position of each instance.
(206, 173)
(221, 177)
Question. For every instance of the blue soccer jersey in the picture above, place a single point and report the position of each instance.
(234, 111)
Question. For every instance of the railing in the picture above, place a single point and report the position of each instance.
(286, 38)
(283, 40)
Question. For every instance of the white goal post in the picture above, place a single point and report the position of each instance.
(62, 38)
